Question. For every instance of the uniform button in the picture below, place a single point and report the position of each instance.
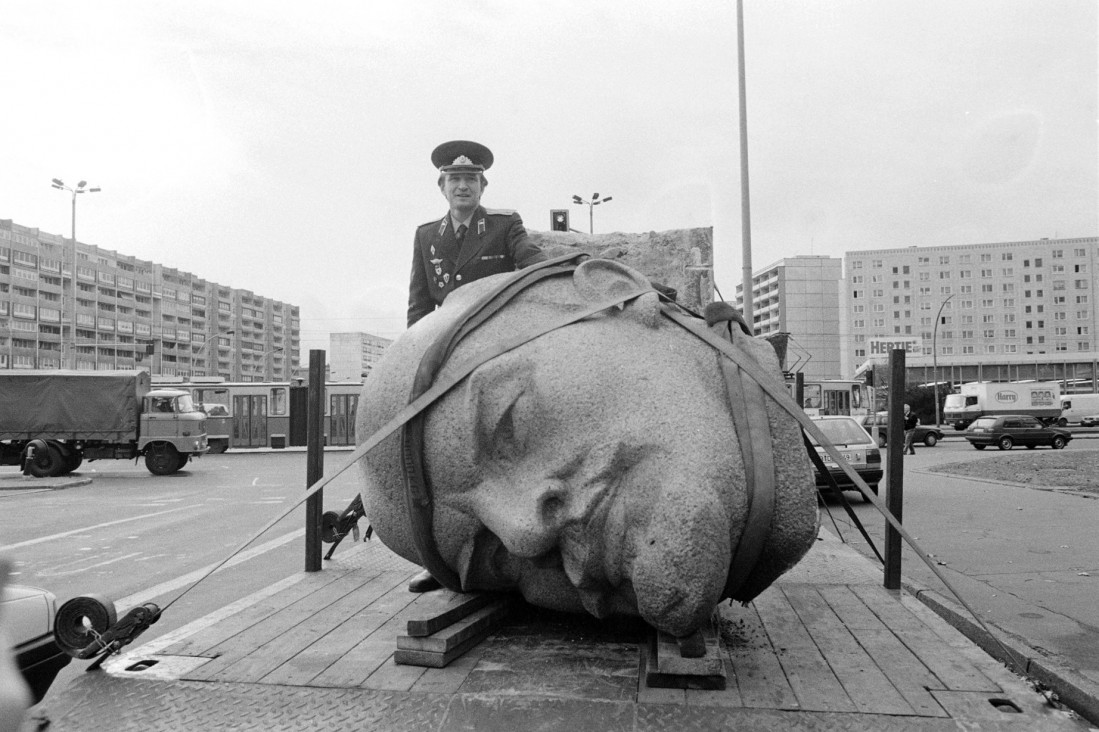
(459, 278)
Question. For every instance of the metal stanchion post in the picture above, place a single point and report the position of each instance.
(895, 481)
(314, 471)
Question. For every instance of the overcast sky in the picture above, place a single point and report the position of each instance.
(284, 147)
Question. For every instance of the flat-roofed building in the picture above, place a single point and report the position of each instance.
(1007, 311)
(121, 312)
(800, 296)
(354, 354)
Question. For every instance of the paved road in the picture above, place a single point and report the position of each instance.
(136, 538)
(1027, 559)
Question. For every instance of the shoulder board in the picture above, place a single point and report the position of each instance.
(436, 222)
(500, 212)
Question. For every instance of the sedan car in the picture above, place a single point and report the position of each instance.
(855, 446)
(926, 434)
(1092, 420)
(28, 614)
(1007, 430)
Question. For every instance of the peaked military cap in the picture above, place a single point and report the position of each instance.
(461, 156)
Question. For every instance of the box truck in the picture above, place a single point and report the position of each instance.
(51, 421)
(1075, 407)
(1041, 399)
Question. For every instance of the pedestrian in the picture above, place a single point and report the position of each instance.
(910, 422)
(470, 241)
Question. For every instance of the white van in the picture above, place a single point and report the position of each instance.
(1076, 406)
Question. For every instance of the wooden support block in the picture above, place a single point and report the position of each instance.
(440, 648)
(667, 668)
(443, 608)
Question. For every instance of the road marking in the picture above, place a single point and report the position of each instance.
(51, 537)
(144, 596)
(57, 572)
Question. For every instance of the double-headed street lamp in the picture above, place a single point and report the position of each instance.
(207, 342)
(935, 355)
(80, 188)
(595, 201)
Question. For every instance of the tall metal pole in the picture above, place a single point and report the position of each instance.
(72, 296)
(60, 185)
(935, 356)
(745, 215)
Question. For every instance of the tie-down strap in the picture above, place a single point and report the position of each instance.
(747, 405)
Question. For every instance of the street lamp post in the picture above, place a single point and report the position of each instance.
(935, 355)
(264, 357)
(80, 188)
(207, 342)
(595, 201)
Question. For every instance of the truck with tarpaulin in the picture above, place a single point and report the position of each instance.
(52, 421)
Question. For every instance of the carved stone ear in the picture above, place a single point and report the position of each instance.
(598, 279)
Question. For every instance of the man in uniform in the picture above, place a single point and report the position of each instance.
(470, 242)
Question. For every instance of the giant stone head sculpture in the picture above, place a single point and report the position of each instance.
(596, 467)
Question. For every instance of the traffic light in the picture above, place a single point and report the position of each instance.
(559, 219)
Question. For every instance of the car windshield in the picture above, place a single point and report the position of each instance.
(186, 404)
(985, 422)
(842, 431)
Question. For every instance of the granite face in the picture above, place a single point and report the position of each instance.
(593, 469)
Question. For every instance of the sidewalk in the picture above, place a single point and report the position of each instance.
(825, 647)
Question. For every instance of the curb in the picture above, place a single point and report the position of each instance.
(1070, 687)
(26, 484)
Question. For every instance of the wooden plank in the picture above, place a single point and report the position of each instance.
(449, 680)
(667, 669)
(444, 608)
(944, 661)
(357, 666)
(282, 649)
(278, 625)
(868, 687)
(476, 625)
(205, 641)
(654, 695)
(850, 609)
(760, 681)
(809, 675)
(910, 677)
(438, 659)
(304, 667)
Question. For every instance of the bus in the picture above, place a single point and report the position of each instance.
(269, 414)
(851, 397)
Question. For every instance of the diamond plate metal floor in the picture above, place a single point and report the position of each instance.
(825, 648)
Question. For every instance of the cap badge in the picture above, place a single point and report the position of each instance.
(462, 160)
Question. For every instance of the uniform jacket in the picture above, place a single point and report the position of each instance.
(496, 242)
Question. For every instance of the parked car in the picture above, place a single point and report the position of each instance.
(1007, 430)
(855, 446)
(28, 614)
(1092, 420)
(926, 434)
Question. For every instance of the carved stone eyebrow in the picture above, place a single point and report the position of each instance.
(502, 405)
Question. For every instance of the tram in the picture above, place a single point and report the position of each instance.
(851, 397)
(269, 414)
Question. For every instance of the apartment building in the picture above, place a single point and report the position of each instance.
(801, 296)
(120, 312)
(353, 355)
(1005, 311)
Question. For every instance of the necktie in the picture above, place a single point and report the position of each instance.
(460, 235)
